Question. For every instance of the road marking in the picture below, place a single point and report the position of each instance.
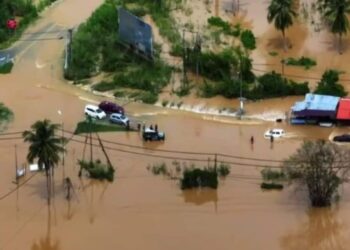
(31, 44)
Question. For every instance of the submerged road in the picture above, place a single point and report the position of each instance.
(139, 210)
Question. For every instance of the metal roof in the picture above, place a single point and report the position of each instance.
(344, 109)
(317, 102)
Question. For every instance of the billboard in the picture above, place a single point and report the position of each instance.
(135, 32)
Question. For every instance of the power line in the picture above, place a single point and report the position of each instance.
(18, 186)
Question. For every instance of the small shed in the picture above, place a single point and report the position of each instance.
(344, 109)
(316, 106)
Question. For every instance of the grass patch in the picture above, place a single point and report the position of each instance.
(270, 186)
(97, 126)
(6, 68)
(103, 86)
(305, 62)
(97, 170)
(273, 53)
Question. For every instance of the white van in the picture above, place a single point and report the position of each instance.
(275, 133)
(94, 112)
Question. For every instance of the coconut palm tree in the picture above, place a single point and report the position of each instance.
(336, 13)
(281, 13)
(44, 146)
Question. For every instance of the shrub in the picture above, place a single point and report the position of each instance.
(97, 170)
(269, 186)
(160, 169)
(269, 174)
(305, 62)
(103, 86)
(193, 178)
(6, 68)
(223, 170)
(147, 97)
(164, 103)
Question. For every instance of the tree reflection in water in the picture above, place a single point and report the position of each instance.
(200, 196)
(322, 231)
(46, 243)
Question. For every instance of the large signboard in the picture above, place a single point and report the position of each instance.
(135, 32)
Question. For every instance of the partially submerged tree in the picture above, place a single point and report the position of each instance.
(6, 116)
(336, 11)
(281, 13)
(44, 146)
(320, 166)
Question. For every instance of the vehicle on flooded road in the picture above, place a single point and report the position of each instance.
(153, 135)
(275, 133)
(342, 138)
(119, 119)
(94, 112)
(111, 107)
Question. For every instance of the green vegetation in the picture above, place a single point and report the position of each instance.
(165, 103)
(248, 40)
(161, 15)
(24, 11)
(329, 84)
(273, 53)
(281, 13)
(270, 186)
(336, 13)
(46, 147)
(320, 166)
(6, 68)
(194, 178)
(272, 179)
(224, 26)
(305, 62)
(6, 115)
(268, 85)
(97, 48)
(97, 126)
(98, 170)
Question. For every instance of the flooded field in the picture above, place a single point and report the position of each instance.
(142, 211)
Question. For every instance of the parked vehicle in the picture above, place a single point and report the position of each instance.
(111, 107)
(119, 119)
(94, 112)
(342, 138)
(152, 135)
(275, 133)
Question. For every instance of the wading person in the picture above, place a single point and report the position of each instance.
(252, 140)
(156, 128)
(151, 127)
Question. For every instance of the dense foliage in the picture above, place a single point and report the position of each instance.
(329, 84)
(193, 178)
(267, 86)
(248, 40)
(224, 26)
(6, 115)
(23, 9)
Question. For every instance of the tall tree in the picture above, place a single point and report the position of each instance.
(281, 12)
(44, 146)
(320, 166)
(336, 12)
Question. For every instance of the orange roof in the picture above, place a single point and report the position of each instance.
(344, 109)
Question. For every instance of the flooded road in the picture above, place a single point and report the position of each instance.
(139, 210)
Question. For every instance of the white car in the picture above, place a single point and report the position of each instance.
(94, 112)
(275, 133)
(119, 119)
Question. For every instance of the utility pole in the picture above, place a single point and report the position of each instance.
(215, 162)
(64, 148)
(16, 163)
(90, 122)
(241, 110)
(70, 49)
(184, 58)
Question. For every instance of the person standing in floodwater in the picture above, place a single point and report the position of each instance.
(156, 128)
(252, 140)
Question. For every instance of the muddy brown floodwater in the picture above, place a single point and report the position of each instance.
(139, 210)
